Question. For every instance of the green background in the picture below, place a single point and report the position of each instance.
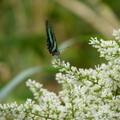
(23, 39)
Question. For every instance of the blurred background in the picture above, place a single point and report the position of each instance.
(23, 50)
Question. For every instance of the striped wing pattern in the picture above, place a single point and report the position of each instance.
(51, 40)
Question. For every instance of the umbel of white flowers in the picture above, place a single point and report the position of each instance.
(87, 94)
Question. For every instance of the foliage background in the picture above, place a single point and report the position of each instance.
(23, 38)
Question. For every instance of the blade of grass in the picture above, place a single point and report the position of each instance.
(90, 15)
(16, 81)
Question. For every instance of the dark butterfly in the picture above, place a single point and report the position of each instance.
(51, 40)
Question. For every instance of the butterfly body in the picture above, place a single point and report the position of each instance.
(51, 40)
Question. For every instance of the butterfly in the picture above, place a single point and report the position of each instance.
(51, 40)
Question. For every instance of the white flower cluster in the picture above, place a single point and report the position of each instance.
(18, 112)
(108, 49)
(90, 94)
(49, 104)
(87, 94)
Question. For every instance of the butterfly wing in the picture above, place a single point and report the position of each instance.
(51, 40)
